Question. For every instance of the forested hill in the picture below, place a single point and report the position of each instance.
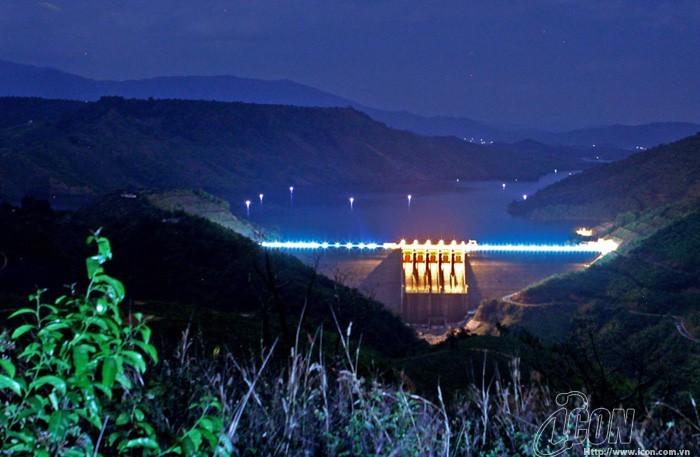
(667, 174)
(61, 147)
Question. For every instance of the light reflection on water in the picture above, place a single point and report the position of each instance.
(474, 210)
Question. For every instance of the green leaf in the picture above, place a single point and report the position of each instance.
(56, 382)
(22, 311)
(21, 330)
(135, 360)
(187, 445)
(122, 419)
(9, 383)
(55, 326)
(196, 437)
(80, 358)
(142, 442)
(98, 321)
(103, 247)
(145, 331)
(109, 371)
(117, 286)
(148, 349)
(58, 425)
(206, 424)
(78, 452)
(209, 437)
(53, 399)
(93, 266)
(106, 391)
(9, 367)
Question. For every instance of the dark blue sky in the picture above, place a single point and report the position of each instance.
(556, 63)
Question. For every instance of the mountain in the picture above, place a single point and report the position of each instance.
(622, 136)
(30, 81)
(665, 175)
(78, 148)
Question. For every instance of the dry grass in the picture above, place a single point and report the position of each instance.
(312, 406)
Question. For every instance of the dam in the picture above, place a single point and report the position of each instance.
(433, 282)
(437, 283)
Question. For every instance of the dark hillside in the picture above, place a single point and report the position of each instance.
(89, 148)
(634, 317)
(181, 268)
(660, 176)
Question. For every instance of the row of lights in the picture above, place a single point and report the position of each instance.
(261, 196)
(600, 246)
(291, 200)
(351, 200)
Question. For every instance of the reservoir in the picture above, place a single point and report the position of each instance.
(459, 211)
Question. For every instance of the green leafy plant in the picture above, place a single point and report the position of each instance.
(81, 359)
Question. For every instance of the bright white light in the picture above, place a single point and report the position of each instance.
(323, 245)
(524, 196)
(504, 186)
(583, 231)
(409, 197)
(261, 198)
(247, 207)
(601, 246)
(352, 200)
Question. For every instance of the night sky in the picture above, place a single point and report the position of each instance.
(534, 63)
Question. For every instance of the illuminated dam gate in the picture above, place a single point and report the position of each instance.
(433, 282)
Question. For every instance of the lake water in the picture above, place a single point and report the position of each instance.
(462, 211)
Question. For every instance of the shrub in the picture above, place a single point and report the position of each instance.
(79, 360)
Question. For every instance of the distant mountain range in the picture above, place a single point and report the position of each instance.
(30, 81)
(58, 147)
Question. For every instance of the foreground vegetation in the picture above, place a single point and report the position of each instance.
(80, 377)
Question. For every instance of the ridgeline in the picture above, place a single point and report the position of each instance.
(667, 174)
(50, 147)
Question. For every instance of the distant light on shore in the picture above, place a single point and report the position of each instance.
(583, 231)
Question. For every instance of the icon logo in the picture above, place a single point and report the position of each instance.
(573, 424)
